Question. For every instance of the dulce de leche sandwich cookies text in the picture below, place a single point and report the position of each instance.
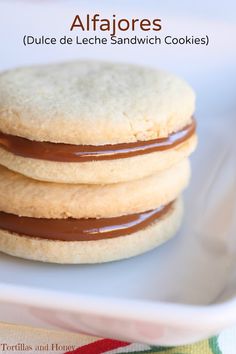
(94, 160)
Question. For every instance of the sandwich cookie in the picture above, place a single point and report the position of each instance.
(89, 223)
(89, 122)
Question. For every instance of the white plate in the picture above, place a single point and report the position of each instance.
(134, 299)
(184, 290)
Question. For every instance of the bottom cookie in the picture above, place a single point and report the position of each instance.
(99, 251)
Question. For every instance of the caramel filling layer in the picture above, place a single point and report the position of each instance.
(80, 229)
(83, 153)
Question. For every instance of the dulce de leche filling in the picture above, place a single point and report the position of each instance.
(80, 229)
(81, 153)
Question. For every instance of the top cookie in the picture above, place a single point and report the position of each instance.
(92, 102)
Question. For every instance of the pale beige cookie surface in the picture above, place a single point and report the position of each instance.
(106, 250)
(98, 172)
(92, 102)
(27, 197)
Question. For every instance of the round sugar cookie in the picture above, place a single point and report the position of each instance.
(93, 102)
(27, 197)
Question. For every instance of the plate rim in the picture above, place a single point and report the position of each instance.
(201, 317)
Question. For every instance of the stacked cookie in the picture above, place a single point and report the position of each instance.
(94, 157)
